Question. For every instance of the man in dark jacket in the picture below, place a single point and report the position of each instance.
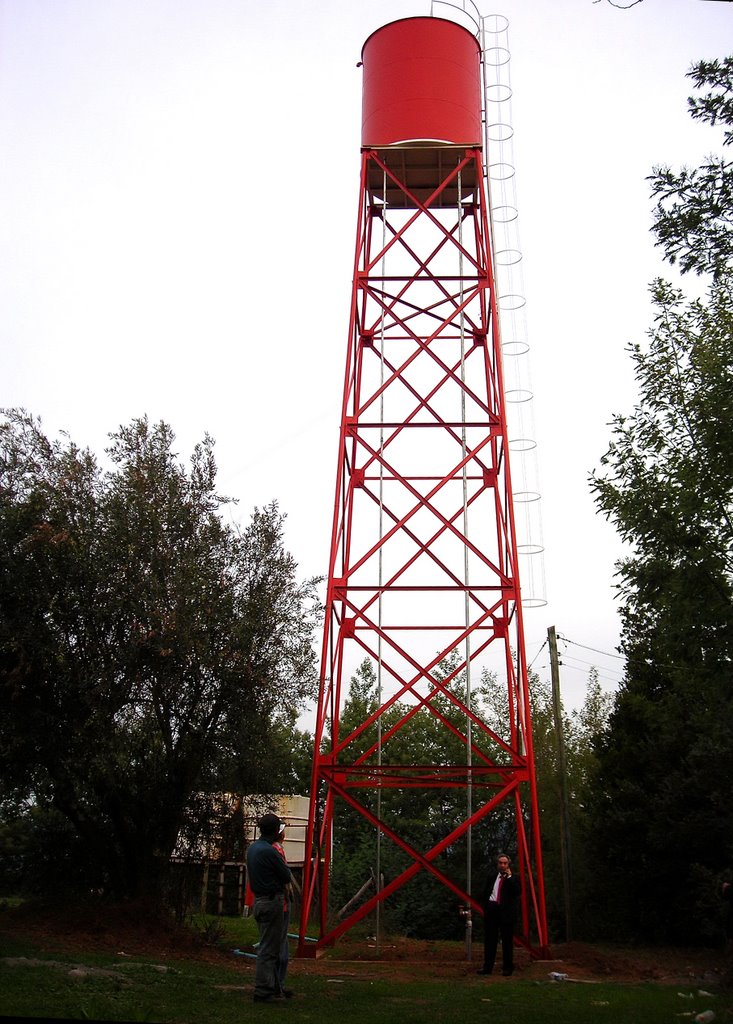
(268, 874)
(500, 902)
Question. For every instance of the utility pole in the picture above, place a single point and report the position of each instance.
(562, 770)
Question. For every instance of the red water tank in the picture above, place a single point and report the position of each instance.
(422, 85)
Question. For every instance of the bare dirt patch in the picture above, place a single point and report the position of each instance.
(134, 930)
(578, 962)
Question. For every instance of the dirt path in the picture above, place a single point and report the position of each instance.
(128, 933)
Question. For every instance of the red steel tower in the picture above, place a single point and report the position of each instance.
(423, 562)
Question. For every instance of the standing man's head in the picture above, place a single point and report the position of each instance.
(270, 826)
(503, 863)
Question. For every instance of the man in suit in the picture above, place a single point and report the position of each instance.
(500, 902)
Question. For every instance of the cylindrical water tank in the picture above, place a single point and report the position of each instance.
(422, 85)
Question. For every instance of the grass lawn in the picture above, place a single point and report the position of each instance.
(59, 979)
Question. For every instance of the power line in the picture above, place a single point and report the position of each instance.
(580, 661)
(594, 649)
(536, 655)
(602, 677)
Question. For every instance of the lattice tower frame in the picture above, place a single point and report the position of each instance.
(423, 560)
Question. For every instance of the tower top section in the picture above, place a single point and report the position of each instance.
(422, 86)
(421, 108)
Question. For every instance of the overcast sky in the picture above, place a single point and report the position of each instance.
(178, 189)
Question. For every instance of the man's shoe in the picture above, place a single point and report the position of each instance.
(288, 993)
(484, 971)
(272, 997)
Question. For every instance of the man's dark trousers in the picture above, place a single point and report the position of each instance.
(494, 926)
(268, 913)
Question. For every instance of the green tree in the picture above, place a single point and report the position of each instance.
(669, 748)
(668, 752)
(147, 651)
(583, 729)
(693, 218)
(580, 729)
(661, 818)
(425, 908)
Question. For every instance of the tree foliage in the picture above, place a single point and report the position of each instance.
(667, 487)
(660, 816)
(580, 729)
(693, 218)
(425, 908)
(148, 651)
